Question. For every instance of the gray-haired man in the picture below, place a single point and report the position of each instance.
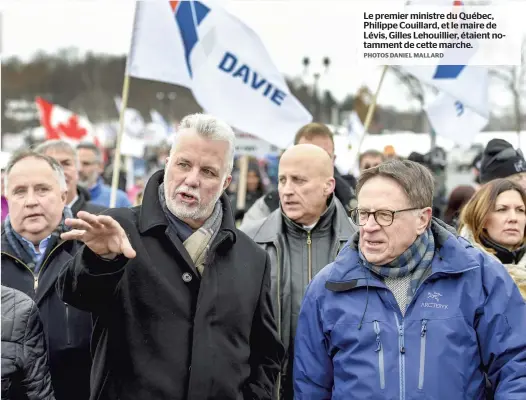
(32, 256)
(181, 297)
(78, 197)
(91, 168)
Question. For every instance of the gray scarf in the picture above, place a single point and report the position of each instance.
(198, 244)
(416, 260)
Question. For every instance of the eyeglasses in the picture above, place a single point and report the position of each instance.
(382, 217)
(367, 166)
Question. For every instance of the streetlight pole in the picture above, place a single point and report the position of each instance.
(315, 106)
(167, 99)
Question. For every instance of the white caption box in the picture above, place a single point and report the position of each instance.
(387, 34)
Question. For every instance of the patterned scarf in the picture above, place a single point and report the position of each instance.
(23, 250)
(416, 260)
(199, 242)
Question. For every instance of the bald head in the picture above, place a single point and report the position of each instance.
(306, 181)
(312, 155)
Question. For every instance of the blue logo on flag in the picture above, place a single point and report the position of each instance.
(460, 108)
(189, 15)
(448, 71)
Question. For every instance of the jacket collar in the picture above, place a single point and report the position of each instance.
(48, 278)
(152, 215)
(272, 226)
(323, 224)
(347, 268)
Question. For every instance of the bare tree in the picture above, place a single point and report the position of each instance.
(514, 80)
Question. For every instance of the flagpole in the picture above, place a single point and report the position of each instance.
(117, 158)
(370, 111)
(124, 104)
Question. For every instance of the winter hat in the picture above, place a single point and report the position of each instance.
(500, 160)
(477, 161)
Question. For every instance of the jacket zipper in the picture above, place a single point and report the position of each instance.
(380, 350)
(401, 356)
(68, 337)
(278, 302)
(42, 267)
(309, 255)
(423, 335)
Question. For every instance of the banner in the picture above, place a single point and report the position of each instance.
(199, 45)
(451, 119)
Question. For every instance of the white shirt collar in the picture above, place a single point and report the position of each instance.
(73, 201)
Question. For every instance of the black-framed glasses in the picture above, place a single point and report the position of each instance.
(367, 166)
(382, 217)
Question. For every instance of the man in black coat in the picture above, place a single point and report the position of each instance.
(33, 254)
(181, 298)
(78, 198)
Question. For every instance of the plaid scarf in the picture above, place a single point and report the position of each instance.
(24, 251)
(199, 242)
(416, 260)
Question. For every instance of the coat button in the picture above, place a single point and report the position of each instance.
(187, 277)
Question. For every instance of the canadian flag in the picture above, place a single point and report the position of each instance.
(61, 123)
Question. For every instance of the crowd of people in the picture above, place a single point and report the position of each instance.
(327, 286)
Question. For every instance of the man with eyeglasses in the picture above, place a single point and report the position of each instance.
(369, 159)
(501, 160)
(408, 309)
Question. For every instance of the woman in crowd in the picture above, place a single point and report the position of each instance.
(25, 369)
(494, 220)
(457, 199)
(255, 189)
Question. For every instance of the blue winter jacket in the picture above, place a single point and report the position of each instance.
(101, 194)
(466, 318)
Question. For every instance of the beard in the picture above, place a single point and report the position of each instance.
(87, 181)
(198, 212)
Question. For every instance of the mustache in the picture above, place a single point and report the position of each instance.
(188, 190)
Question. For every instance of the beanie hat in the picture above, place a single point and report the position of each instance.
(500, 160)
(477, 161)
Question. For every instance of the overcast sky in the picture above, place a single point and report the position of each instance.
(290, 29)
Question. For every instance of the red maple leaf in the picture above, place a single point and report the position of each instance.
(72, 129)
(46, 109)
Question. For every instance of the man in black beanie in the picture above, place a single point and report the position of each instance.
(501, 160)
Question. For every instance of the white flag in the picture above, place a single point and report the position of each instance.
(199, 45)
(453, 74)
(132, 142)
(450, 118)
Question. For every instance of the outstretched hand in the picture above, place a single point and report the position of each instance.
(101, 233)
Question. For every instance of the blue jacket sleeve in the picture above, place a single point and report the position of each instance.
(501, 327)
(313, 371)
(122, 200)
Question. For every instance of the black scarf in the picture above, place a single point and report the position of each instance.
(503, 254)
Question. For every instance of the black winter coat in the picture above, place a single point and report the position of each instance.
(68, 330)
(163, 333)
(25, 368)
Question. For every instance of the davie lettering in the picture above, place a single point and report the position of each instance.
(229, 64)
